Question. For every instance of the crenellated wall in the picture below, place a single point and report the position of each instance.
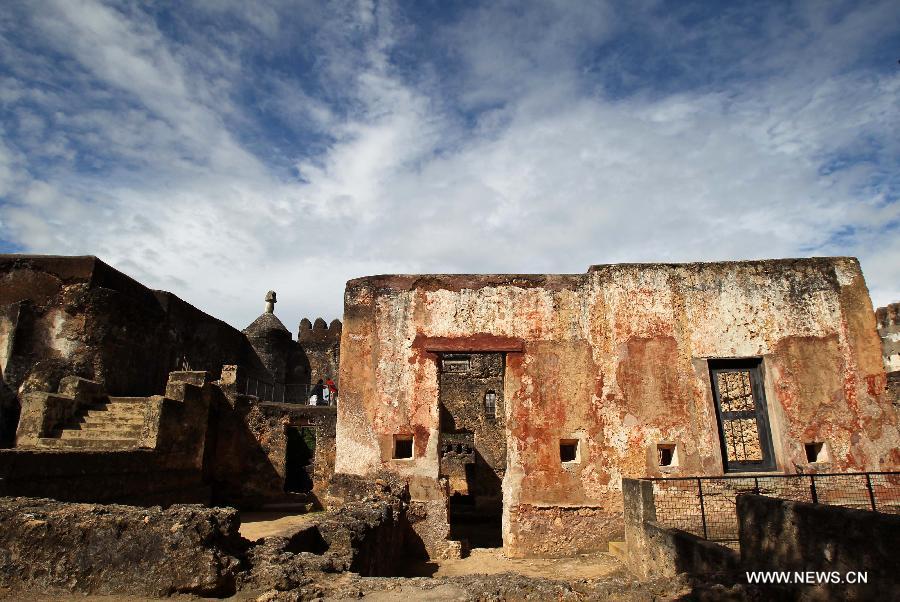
(888, 319)
(617, 360)
(320, 345)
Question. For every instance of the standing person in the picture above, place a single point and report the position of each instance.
(332, 390)
(317, 393)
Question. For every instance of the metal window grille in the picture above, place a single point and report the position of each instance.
(490, 404)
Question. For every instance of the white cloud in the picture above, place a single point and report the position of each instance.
(555, 176)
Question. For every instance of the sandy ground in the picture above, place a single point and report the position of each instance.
(490, 561)
(255, 525)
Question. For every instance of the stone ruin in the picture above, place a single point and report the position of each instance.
(475, 411)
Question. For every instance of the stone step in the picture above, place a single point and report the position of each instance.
(89, 443)
(111, 417)
(128, 401)
(117, 407)
(116, 411)
(95, 419)
(101, 432)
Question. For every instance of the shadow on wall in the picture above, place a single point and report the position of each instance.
(238, 464)
(9, 414)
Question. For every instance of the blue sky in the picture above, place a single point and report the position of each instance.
(221, 148)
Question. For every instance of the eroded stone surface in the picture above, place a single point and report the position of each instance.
(617, 360)
(110, 548)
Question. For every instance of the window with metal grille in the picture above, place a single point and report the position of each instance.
(490, 404)
(455, 363)
(744, 433)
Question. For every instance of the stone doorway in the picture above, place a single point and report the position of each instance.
(299, 458)
(473, 444)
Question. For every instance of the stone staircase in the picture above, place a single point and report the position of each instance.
(111, 423)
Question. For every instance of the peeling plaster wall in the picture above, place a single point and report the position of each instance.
(615, 358)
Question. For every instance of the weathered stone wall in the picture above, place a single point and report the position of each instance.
(164, 466)
(63, 316)
(247, 464)
(319, 353)
(135, 476)
(653, 550)
(780, 535)
(617, 360)
(47, 546)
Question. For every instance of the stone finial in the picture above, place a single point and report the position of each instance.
(270, 302)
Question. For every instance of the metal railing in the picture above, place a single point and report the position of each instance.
(707, 506)
(278, 393)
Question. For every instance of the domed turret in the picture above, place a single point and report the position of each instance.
(270, 339)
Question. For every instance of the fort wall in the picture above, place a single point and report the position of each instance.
(62, 316)
(320, 344)
(617, 364)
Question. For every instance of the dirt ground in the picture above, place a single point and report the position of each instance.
(490, 561)
(485, 574)
(255, 525)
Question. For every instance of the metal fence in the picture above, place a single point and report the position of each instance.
(269, 391)
(707, 506)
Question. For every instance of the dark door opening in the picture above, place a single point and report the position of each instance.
(473, 444)
(744, 432)
(478, 517)
(299, 459)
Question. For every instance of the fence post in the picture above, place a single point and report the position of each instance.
(702, 507)
(812, 489)
(871, 491)
(756, 485)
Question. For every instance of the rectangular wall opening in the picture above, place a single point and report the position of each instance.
(665, 455)
(299, 459)
(473, 444)
(403, 447)
(568, 450)
(816, 451)
(743, 418)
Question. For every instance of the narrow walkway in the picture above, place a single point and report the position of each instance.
(255, 525)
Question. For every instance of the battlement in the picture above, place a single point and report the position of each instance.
(319, 331)
(888, 316)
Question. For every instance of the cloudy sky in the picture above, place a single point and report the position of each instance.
(219, 148)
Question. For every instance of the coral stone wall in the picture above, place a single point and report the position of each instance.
(615, 360)
(320, 344)
(62, 316)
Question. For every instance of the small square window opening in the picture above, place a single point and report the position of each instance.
(403, 447)
(817, 451)
(568, 450)
(665, 454)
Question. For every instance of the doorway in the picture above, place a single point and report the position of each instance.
(473, 444)
(299, 458)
